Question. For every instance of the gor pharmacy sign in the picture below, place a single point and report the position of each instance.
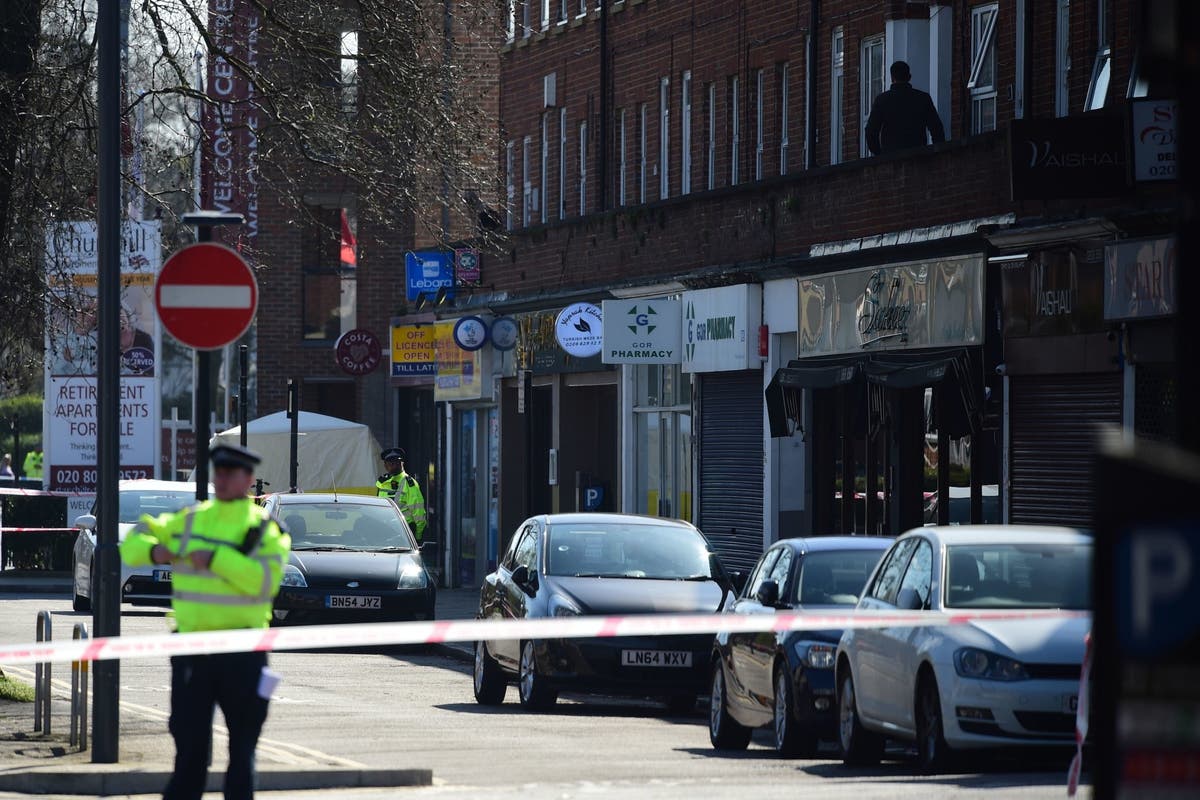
(642, 332)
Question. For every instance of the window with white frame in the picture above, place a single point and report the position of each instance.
(348, 64)
(562, 163)
(545, 13)
(526, 184)
(510, 193)
(836, 84)
(735, 130)
(1102, 69)
(1062, 58)
(526, 22)
(685, 130)
(621, 166)
(711, 158)
(583, 4)
(582, 168)
(642, 153)
(982, 81)
(545, 165)
(563, 11)
(664, 138)
(510, 24)
(784, 101)
(872, 83)
(759, 124)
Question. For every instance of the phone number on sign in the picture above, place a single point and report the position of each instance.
(83, 478)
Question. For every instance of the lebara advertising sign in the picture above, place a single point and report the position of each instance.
(69, 417)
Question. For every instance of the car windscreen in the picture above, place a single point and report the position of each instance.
(344, 526)
(620, 550)
(835, 577)
(1019, 576)
(132, 504)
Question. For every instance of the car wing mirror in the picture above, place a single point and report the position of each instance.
(428, 544)
(767, 593)
(86, 521)
(909, 600)
(525, 579)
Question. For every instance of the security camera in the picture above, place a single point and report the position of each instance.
(1002, 369)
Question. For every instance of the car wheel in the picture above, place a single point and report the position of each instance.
(933, 754)
(490, 685)
(79, 603)
(680, 705)
(860, 747)
(724, 731)
(790, 740)
(534, 692)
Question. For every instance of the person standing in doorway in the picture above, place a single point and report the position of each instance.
(901, 116)
(402, 488)
(226, 558)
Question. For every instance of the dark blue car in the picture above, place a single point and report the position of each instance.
(786, 679)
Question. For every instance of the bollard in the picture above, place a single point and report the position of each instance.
(79, 694)
(41, 681)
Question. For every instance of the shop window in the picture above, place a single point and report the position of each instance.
(329, 259)
(663, 449)
(982, 82)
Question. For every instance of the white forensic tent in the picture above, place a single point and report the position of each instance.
(332, 453)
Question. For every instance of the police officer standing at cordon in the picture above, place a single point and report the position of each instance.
(226, 558)
(403, 489)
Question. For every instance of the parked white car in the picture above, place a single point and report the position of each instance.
(986, 683)
(140, 585)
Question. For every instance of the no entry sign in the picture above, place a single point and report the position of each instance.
(206, 296)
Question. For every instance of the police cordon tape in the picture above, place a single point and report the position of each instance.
(316, 637)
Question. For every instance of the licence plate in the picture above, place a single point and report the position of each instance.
(1070, 703)
(656, 658)
(352, 601)
(162, 575)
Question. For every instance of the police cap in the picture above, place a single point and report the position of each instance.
(232, 455)
(393, 454)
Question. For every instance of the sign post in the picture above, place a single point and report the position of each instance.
(206, 297)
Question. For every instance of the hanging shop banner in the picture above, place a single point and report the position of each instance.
(1140, 279)
(1081, 156)
(537, 338)
(471, 333)
(1058, 292)
(460, 373)
(428, 272)
(720, 328)
(505, 333)
(642, 332)
(579, 330)
(72, 317)
(895, 306)
(1154, 139)
(414, 357)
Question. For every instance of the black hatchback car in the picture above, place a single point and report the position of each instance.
(563, 565)
(786, 679)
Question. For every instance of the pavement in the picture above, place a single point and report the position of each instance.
(47, 764)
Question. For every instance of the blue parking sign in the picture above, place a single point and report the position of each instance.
(427, 271)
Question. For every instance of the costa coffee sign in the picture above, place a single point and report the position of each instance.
(358, 352)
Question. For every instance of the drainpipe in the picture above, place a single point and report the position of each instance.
(810, 86)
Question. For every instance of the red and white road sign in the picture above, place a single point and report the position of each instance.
(206, 296)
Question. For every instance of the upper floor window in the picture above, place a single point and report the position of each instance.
(545, 165)
(562, 163)
(759, 124)
(582, 168)
(735, 130)
(982, 82)
(526, 185)
(510, 192)
(1062, 59)
(348, 78)
(664, 138)
(836, 84)
(328, 255)
(783, 119)
(621, 166)
(545, 20)
(1102, 68)
(874, 80)
(510, 23)
(562, 11)
(526, 22)
(642, 153)
(712, 137)
(685, 128)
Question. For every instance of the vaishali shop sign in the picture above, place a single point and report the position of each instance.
(910, 305)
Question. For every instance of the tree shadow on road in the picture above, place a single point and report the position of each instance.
(581, 706)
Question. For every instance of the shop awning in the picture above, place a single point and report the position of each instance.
(783, 392)
(909, 370)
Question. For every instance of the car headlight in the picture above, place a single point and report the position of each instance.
(970, 662)
(562, 607)
(817, 655)
(412, 577)
(292, 576)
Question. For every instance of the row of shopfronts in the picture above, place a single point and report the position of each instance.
(867, 400)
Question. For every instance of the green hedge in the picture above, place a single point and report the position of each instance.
(27, 408)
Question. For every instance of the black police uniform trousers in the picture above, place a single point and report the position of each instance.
(199, 684)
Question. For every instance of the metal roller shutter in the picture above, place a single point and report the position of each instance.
(731, 466)
(1052, 444)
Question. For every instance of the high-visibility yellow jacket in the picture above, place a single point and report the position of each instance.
(406, 492)
(238, 588)
(33, 464)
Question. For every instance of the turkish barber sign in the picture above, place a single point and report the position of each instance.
(1084, 156)
(720, 328)
(642, 332)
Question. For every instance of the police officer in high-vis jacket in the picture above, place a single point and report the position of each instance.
(402, 488)
(226, 558)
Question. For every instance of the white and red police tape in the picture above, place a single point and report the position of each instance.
(1081, 718)
(315, 637)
